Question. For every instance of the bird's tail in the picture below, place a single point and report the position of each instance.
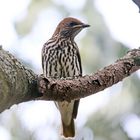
(69, 130)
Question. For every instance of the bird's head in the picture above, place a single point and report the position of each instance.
(69, 27)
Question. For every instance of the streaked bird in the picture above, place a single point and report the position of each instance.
(61, 58)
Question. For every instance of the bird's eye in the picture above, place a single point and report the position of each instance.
(71, 24)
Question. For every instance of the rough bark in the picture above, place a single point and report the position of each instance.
(19, 84)
(79, 87)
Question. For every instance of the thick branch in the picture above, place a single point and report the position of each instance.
(69, 89)
(17, 84)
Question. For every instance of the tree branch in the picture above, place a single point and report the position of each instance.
(80, 87)
(17, 83)
(137, 2)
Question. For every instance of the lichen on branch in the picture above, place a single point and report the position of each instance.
(17, 83)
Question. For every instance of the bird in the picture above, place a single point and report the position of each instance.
(61, 59)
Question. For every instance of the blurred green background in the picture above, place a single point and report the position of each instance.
(112, 114)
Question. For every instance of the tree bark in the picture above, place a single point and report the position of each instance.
(19, 84)
(79, 87)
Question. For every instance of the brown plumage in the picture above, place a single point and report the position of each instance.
(61, 58)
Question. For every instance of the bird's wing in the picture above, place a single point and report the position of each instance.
(76, 103)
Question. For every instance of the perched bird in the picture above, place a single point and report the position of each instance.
(61, 58)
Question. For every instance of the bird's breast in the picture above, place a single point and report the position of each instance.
(68, 61)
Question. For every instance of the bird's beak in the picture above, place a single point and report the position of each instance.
(85, 25)
(81, 25)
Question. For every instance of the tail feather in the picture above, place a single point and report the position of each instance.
(68, 130)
